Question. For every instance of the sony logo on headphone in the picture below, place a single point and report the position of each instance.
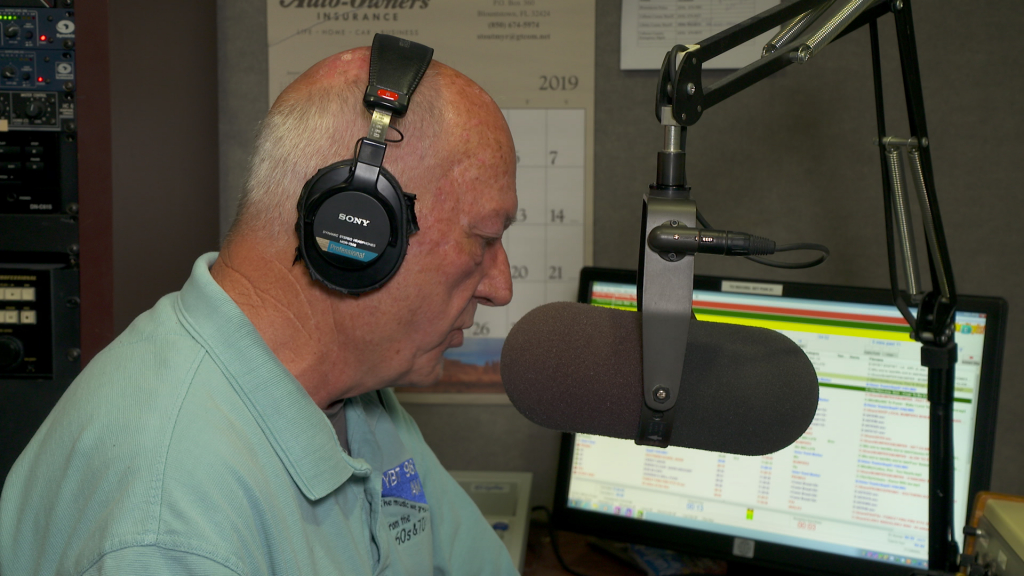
(353, 219)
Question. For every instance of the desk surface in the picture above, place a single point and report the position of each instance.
(586, 559)
(578, 555)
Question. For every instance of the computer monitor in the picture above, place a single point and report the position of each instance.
(851, 495)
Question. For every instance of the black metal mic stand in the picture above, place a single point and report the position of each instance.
(681, 100)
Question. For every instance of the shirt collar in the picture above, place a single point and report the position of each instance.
(297, 429)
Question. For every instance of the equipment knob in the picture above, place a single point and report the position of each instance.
(12, 31)
(10, 71)
(11, 352)
(33, 110)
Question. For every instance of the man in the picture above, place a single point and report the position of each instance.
(244, 425)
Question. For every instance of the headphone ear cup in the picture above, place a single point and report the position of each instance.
(353, 240)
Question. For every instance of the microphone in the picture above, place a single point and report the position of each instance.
(578, 368)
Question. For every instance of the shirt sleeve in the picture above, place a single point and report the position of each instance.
(464, 543)
(157, 561)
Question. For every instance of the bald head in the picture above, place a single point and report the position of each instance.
(317, 120)
(457, 157)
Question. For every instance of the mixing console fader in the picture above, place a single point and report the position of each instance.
(39, 269)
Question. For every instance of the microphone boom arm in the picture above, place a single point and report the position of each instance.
(681, 100)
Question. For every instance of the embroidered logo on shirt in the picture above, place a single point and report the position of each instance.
(403, 481)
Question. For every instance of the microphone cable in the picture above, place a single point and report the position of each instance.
(785, 248)
(554, 541)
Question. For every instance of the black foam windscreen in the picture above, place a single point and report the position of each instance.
(578, 368)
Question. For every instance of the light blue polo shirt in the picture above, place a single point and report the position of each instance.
(186, 447)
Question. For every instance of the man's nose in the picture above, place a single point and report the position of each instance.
(496, 286)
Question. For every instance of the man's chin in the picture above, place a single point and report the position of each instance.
(430, 367)
(456, 340)
(423, 377)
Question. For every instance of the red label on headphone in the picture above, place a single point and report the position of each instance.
(387, 94)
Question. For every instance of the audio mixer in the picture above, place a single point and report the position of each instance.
(39, 235)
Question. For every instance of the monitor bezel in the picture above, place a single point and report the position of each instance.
(768, 554)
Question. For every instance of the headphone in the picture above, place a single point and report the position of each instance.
(354, 219)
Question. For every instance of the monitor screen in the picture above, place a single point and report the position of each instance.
(853, 488)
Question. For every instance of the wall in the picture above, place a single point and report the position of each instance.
(164, 140)
(790, 158)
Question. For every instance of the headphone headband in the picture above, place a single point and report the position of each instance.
(396, 68)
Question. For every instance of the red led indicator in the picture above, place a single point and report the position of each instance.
(387, 94)
(43, 37)
(41, 79)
